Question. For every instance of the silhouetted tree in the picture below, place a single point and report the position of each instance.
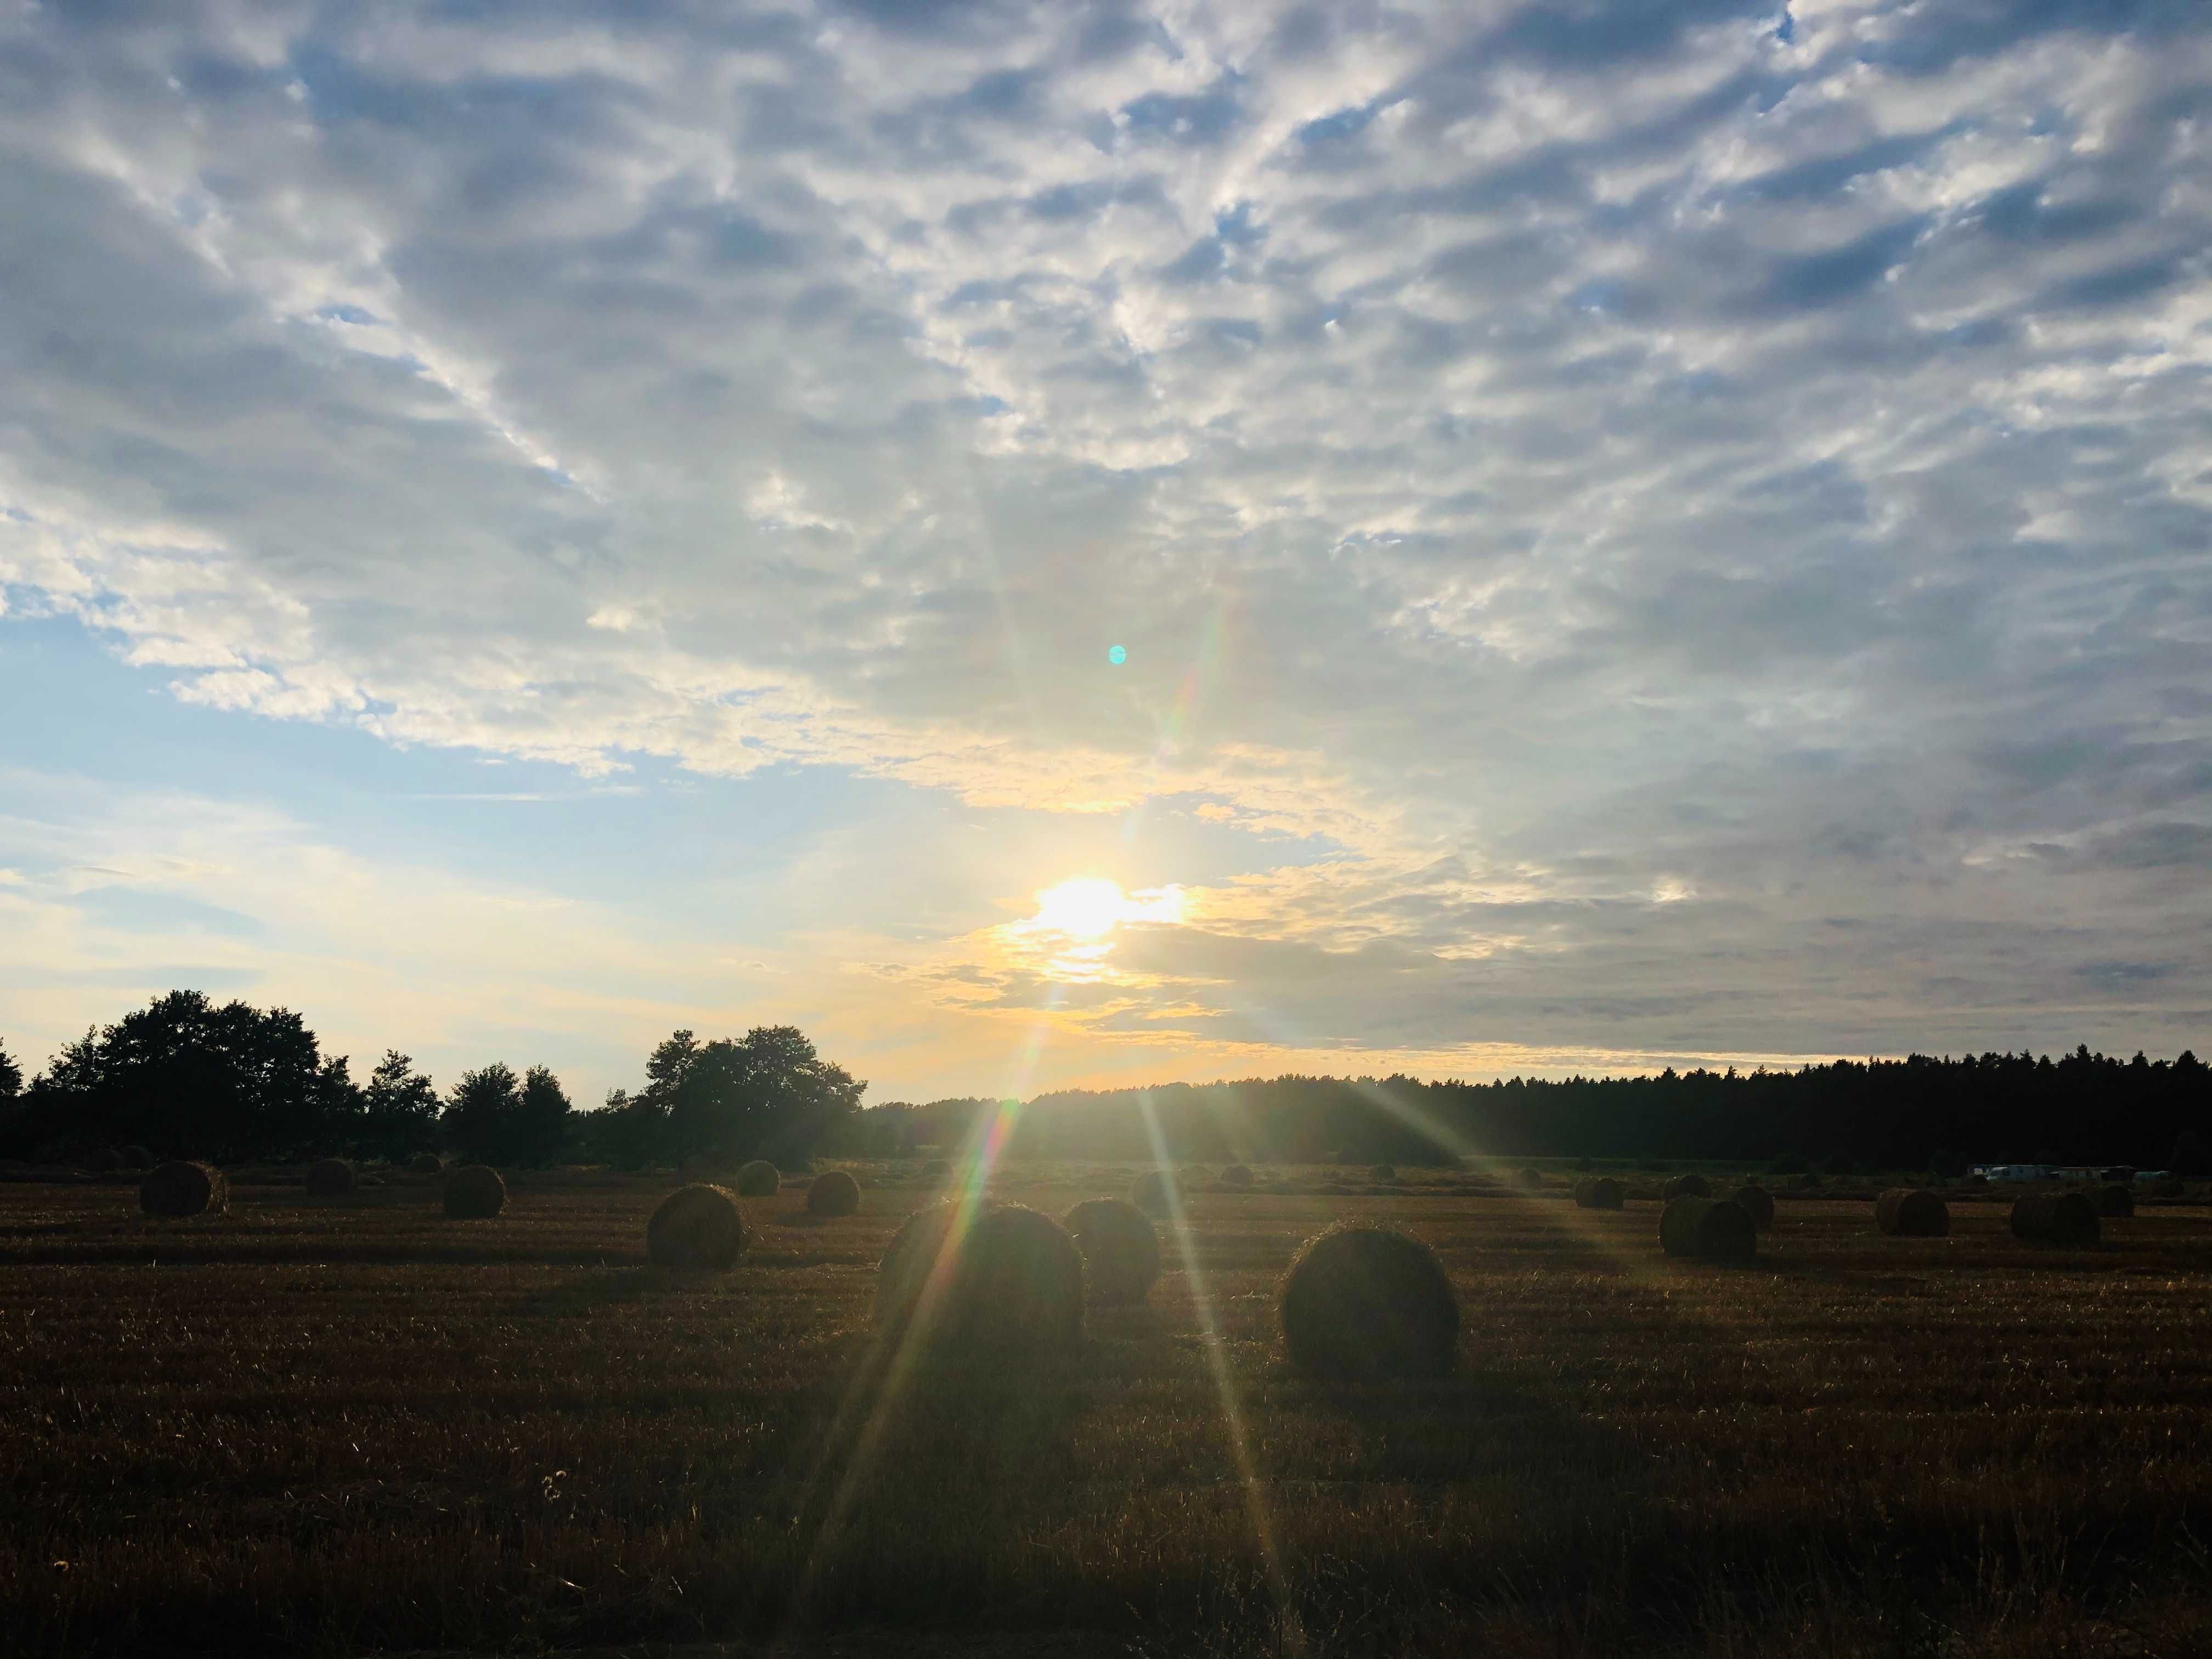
(625, 1133)
(11, 1075)
(185, 1076)
(766, 1095)
(542, 1113)
(480, 1115)
(400, 1110)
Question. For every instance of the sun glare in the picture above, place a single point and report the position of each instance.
(1086, 907)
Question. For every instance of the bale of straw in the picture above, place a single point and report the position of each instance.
(329, 1177)
(1383, 1173)
(1236, 1175)
(184, 1189)
(2116, 1199)
(1757, 1204)
(103, 1160)
(425, 1163)
(1154, 1192)
(1121, 1247)
(1686, 1186)
(2066, 1219)
(135, 1157)
(834, 1193)
(1369, 1303)
(1599, 1192)
(2169, 1189)
(1911, 1212)
(1707, 1230)
(999, 1276)
(475, 1193)
(1533, 1179)
(697, 1226)
(759, 1179)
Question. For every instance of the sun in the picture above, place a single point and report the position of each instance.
(1086, 907)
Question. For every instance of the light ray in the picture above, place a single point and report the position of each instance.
(1232, 1415)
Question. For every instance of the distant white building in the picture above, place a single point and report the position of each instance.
(2011, 1171)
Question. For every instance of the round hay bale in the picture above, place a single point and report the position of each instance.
(1155, 1193)
(103, 1160)
(2116, 1199)
(759, 1179)
(135, 1157)
(1369, 1303)
(1707, 1230)
(329, 1177)
(2066, 1219)
(697, 1226)
(425, 1163)
(184, 1189)
(1121, 1247)
(1533, 1179)
(1686, 1186)
(1236, 1175)
(1600, 1193)
(1383, 1173)
(834, 1193)
(1757, 1204)
(475, 1193)
(2169, 1189)
(1911, 1212)
(1009, 1277)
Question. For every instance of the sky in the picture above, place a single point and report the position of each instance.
(1636, 532)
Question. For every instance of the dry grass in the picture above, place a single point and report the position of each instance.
(338, 1428)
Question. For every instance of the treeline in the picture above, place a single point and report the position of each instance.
(1919, 1113)
(185, 1076)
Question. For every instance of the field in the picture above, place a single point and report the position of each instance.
(352, 1425)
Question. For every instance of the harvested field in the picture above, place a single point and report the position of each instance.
(354, 1427)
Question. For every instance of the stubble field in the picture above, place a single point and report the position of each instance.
(351, 1425)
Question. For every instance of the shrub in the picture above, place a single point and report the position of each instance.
(330, 1177)
(184, 1189)
(1155, 1193)
(759, 1179)
(1911, 1212)
(475, 1193)
(1686, 1186)
(1757, 1204)
(1382, 1172)
(2068, 1219)
(1236, 1175)
(135, 1157)
(1011, 1278)
(1600, 1193)
(834, 1193)
(1533, 1179)
(700, 1225)
(1121, 1247)
(1707, 1230)
(425, 1163)
(1369, 1303)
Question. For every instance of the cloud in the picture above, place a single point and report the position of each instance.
(1558, 457)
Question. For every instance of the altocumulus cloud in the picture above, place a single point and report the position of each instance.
(1704, 509)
